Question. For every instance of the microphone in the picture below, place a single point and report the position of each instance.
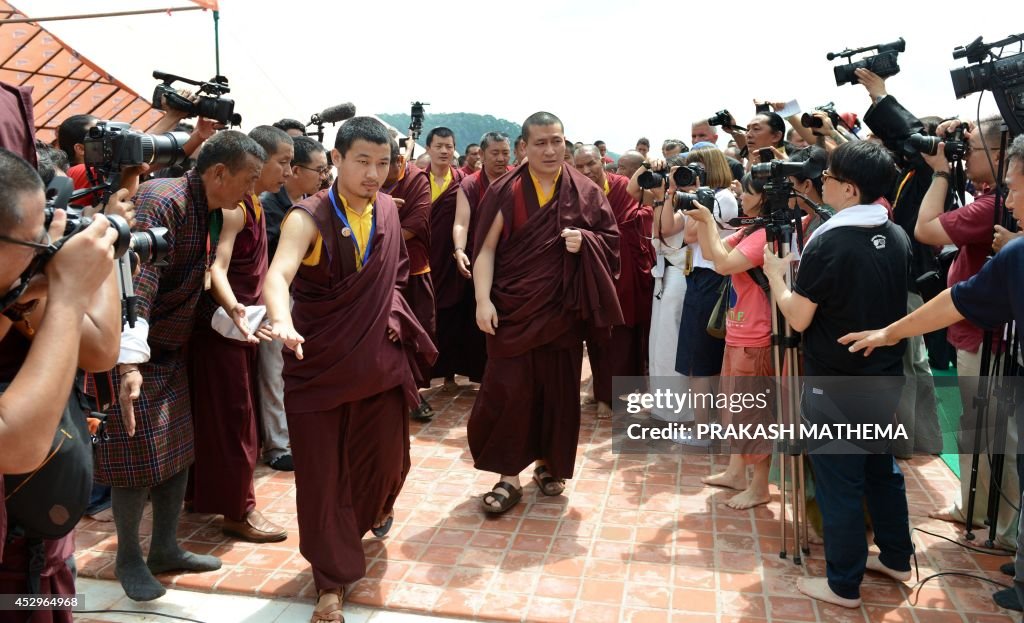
(334, 114)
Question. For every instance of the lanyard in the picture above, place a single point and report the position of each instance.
(355, 239)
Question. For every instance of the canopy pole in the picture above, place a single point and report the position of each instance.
(216, 39)
(57, 18)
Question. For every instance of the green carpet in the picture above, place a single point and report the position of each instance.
(947, 395)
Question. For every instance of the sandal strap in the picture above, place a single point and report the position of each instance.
(502, 491)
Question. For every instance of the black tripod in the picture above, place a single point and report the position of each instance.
(784, 232)
(998, 365)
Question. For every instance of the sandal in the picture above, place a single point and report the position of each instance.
(424, 412)
(549, 485)
(332, 612)
(382, 530)
(504, 494)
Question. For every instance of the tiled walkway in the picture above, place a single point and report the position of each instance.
(635, 538)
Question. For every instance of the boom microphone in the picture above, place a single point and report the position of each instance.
(334, 114)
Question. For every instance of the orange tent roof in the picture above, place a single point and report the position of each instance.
(64, 82)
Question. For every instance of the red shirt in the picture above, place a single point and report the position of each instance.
(80, 177)
(971, 229)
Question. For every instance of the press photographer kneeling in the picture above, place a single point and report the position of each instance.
(61, 311)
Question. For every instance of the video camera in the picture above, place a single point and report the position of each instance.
(210, 104)
(1003, 76)
(683, 176)
(883, 63)
(779, 171)
(955, 144)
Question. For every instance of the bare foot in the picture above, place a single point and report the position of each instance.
(874, 564)
(818, 588)
(951, 514)
(726, 479)
(748, 498)
(604, 411)
(812, 535)
(450, 386)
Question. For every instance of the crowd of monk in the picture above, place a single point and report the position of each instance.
(304, 315)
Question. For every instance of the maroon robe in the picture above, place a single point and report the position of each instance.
(222, 374)
(348, 399)
(414, 190)
(462, 347)
(450, 290)
(547, 299)
(624, 352)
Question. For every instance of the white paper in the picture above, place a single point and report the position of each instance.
(792, 108)
(223, 324)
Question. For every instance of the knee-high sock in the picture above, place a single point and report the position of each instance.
(164, 553)
(137, 581)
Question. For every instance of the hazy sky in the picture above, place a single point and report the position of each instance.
(610, 70)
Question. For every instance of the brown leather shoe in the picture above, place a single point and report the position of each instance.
(255, 529)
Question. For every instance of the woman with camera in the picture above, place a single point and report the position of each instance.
(669, 284)
(698, 353)
(747, 338)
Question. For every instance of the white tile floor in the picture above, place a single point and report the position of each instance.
(215, 608)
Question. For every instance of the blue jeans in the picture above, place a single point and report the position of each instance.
(841, 482)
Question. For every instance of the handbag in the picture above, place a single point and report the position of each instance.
(716, 323)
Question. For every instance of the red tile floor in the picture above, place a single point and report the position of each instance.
(634, 538)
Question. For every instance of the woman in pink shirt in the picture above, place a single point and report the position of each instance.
(747, 340)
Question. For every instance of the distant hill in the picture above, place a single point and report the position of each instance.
(468, 127)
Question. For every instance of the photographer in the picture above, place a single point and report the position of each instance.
(853, 272)
(809, 183)
(894, 124)
(970, 229)
(698, 353)
(69, 317)
(748, 336)
(149, 450)
(669, 288)
(989, 299)
(765, 130)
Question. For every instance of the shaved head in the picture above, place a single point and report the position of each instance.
(593, 150)
(629, 162)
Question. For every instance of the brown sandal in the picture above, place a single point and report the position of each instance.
(548, 484)
(332, 612)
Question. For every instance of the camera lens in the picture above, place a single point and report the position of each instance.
(924, 144)
(650, 179)
(151, 245)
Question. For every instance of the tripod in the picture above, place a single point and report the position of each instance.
(997, 365)
(783, 229)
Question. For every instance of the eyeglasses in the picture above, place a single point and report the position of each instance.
(38, 246)
(322, 171)
(827, 175)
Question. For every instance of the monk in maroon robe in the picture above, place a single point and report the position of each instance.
(409, 186)
(354, 342)
(495, 153)
(223, 370)
(546, 257)
(449, 287)
(624, 352)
